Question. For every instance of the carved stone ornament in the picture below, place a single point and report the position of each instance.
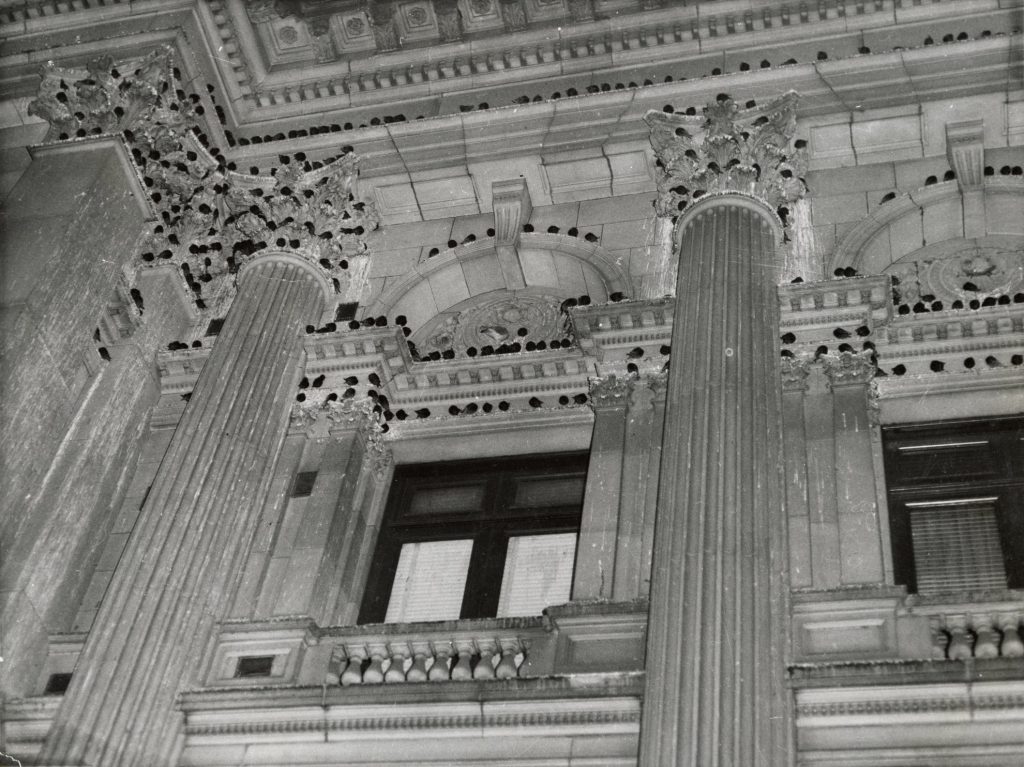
(581, 10)
(481, 7)
(794, 373)
(984, 271)
(261, 10)
(382, 20)
(610, 391)
(513, 13)
(498, 319)
(848, 368)
(212, 219)
(449, 20)
(729, 149)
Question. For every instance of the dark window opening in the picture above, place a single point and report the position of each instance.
(477, 539)
(346, 312)
(57, 684)
(956, 504)
(303, 485)
(254, 665)
(215, 327)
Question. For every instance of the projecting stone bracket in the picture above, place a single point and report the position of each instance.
(512, 209)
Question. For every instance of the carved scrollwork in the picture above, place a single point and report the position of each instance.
(728, 150)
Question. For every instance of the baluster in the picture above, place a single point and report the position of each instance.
(399, 651)
(353, 674)
(485, 666)
(374, 673)
(418, 670)
(987, 643)
(1009, 624)
(439, 671)
(507, 665)
(335, 665)
(960, 641)
(463, 669)
(940, 639)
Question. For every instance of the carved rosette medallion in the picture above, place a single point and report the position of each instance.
(498, 320)
(480, 7)
(749, 151)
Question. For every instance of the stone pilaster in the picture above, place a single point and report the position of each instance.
(595, 562)
(184, 560)
(641, 450)
(860, 534)
(716, 650)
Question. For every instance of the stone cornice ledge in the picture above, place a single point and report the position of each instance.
(896, 673)
(621, 689)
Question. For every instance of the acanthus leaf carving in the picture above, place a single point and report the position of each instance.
(795, 371)
(212, 219)
(750, 151)
(610, 391)
(849, 368)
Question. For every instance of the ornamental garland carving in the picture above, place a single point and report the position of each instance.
(212, 219)
(729, 149)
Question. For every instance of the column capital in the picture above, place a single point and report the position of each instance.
(609, 392)
(848, 368)
(795, 371)
(750, 151)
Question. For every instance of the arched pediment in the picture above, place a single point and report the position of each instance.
(553, 265)
(927, 217)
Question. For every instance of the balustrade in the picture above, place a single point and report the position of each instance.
(429, 656)
(982, 633)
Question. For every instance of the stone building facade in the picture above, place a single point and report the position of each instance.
(529, 382)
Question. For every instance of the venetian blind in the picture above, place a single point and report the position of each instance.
(538, 573)
(956, 547)
(429, 581)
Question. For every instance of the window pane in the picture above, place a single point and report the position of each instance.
(429, 581)
(957, 548)
(555, 491)
(440, 500)
(538, 573)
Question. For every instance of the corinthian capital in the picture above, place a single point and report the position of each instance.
(728, 149)
(847, 368)
(610, 391)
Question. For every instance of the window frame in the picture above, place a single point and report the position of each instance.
(1004, 439)
(490, 527)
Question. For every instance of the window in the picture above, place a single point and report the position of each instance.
(254, 665)
(303, 484)
(477, 539)
(956, 504)
(57, 684)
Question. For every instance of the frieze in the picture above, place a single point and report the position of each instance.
(729, 149)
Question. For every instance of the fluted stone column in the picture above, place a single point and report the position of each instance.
(186, 555)
(716, 653)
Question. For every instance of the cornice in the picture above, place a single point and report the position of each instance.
(836, 85)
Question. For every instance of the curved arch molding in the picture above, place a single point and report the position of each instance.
(555, 264)
(923, 218)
